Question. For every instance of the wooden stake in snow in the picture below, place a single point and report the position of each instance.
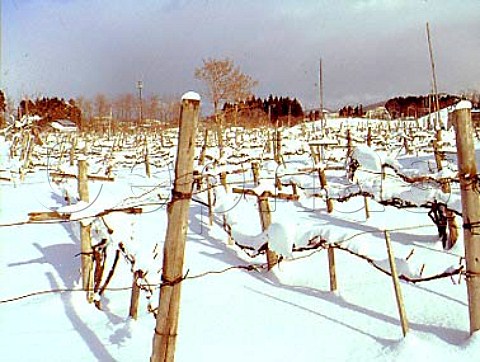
(85, 239)
(323, 185)
(396, 285)
(166, 328)
(135, 294)
(467, 173)
(210, 200)
(256, 173)
(266, 220)
(331, 268)
(147, 159)
(369, 136)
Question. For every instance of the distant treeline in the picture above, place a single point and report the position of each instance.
(257, 111)
(418, 106)
(409, 106)
(349, 111)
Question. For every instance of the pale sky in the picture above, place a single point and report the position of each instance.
(371, 49)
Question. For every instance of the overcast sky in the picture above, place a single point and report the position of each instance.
(371, 49)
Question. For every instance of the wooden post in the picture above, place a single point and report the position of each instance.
(147, 160)
(266, 220)
(85, 238)
(135, 294)
(165, 336)
(467, 173)
(201, 158)
(369, 136)
(349, 143)
(367, 207)
(219, 130)
(396, 285)
(406, 146)
(278, 146)
(452, 229)
(72, 151)
(27, 154)
(223, 180)
(315, 153)
(331, 268)
(210, 200)
(436, 152)
(323, 184)
(256, 173)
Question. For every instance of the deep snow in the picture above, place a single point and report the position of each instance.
(238, 315)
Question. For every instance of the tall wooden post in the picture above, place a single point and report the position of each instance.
(323, 185)
(166, 327)
(134, 299)
(331, 268)
(266, 220)
(85, 238)
(467, 172)
(147, 159)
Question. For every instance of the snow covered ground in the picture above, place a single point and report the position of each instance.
(229, 313)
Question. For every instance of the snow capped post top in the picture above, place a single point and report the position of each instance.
(463, 105)
(191, 96)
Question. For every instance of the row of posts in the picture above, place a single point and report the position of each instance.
(172, 273)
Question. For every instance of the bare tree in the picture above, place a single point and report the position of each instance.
(101, 105)
(225, 82)
(153, 107)
(85, 106)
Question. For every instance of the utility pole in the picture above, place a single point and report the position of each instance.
(140, 87)
(434, 78)
(467, 173)
(322, 118)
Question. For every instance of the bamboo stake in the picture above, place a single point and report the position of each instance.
(165, 336)
(467, 172)
(396, 285)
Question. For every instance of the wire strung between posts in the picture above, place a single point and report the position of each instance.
(249, 267)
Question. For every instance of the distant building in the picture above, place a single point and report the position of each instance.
(64, 125)
(378, 113)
